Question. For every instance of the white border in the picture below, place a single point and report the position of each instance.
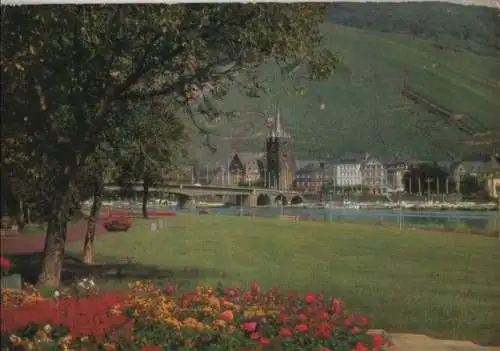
(487, 3)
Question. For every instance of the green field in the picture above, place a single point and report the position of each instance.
(446, 285)
(364, 110)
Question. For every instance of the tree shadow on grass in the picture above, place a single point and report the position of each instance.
(111, 271)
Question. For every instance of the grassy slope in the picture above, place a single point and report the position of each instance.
(360, 99)
(446, 285)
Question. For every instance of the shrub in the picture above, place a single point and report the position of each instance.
(117, 223)
(149, 318)
(5, 265)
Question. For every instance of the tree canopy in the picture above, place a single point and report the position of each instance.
(68, 70)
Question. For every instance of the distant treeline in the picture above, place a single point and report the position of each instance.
(470, 28)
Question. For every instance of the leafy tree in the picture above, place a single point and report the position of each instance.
(471, 185)
(151, 141)
(67, 69)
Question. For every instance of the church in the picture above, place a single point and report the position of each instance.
(280, 163)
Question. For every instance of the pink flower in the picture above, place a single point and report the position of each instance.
(169, 289)
(249, 326)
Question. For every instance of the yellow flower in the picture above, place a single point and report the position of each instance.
(66, 340)
(219, 323)
(15, 340)
(40, 336)
(214, 302)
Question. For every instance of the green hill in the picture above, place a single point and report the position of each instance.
(462, 28)
(363, 106)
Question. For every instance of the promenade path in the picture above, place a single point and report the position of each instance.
(418, 342)
(25, 244)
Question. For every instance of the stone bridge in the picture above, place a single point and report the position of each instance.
(245, 196)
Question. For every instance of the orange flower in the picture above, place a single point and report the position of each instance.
(226, 315)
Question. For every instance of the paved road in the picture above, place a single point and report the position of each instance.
(22, 244)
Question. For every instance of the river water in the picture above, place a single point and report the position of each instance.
(486, 222)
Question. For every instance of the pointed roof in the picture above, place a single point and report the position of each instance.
(277, 130)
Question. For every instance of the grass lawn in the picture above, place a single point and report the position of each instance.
(444, 285)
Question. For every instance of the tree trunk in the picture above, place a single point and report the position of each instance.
(55, 239)
(20, 220)
(88, 246)
(145, 196)
(27, 213)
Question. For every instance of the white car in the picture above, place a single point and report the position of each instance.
(197, 184)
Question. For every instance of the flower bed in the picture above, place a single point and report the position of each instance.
(149, 318)
(117, 223)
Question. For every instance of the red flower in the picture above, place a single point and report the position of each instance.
(310, 298)
(265, 341)
(169, 289)
(377, 341)
(302, 317)
(323, 315)
(284, 318)
(337, 306)
(286, 332)
(249, 326)
(324, 330)
(255, 336)
(355, 330)
(247, 296)
(301, 328)
(5, 263)
(255, 288)
(361, 346)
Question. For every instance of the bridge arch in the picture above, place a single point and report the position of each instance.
(297, 200)
(263, 200)
(281, 199)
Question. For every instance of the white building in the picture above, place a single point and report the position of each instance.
(348, 172)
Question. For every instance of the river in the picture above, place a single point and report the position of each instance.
(467, 221)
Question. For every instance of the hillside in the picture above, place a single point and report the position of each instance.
(363, 106)
(461, 28)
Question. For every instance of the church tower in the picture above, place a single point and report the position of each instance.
(280, 168)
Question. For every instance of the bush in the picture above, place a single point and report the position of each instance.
(150, 318)
(117, 223)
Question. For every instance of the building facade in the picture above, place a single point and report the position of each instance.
(348, 172)
(374, 175)
(313, 177)
(246, 169)
(396, 173)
